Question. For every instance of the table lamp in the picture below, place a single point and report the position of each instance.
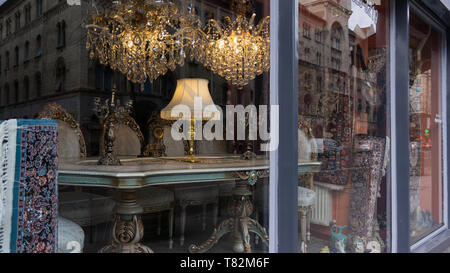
(186, 91)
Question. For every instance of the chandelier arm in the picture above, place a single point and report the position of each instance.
(262, 24)
(252, 19)
(216, 25)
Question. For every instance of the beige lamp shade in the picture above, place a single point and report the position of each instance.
(186, 91)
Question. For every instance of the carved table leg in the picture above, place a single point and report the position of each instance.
(260, 232)
(240, 209)
(225, 227)
(128, 229)
(183, 223)
(305, 213)
(171, 221)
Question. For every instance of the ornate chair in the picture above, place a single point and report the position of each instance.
(307, 148)
(128, 138)
(28, 219)
(162, 144)
(85, 209)
(129, 142)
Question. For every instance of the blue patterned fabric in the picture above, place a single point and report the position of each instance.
(28, 216)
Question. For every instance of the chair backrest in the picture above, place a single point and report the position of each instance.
(173, 147)
(161, 138)
(307, 146)
(202, 147)
(128, 138)
(28, 156)
(71, 144)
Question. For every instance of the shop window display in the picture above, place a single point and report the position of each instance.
(127, 181)
(346, 115)
(426, 142)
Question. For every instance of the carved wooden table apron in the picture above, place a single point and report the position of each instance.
(135, 174)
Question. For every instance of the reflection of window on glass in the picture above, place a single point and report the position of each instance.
(6, 94)
(306, 30)
(308, 81)
(16, 56)
(307, 53)
(17, 21)
(38, 7)
(38, 45)
(426, 183)
(7, 61)
(60, 75)
(27, 13)
(319, 84)
(27, 51)
(16, 91)
(336, 35)
(38, 84)
(8, 26)
(318, 35)
(61, 34)
(26, 88)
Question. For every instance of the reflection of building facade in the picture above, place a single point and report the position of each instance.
(341, 95)
(43, 59)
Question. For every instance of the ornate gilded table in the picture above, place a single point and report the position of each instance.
(137, 173)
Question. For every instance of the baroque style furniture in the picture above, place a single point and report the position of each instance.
(307, 150)
(85, 209)
(306, 200)
(162, 144)
(127, 138)
(70, 236)
(129, 141)
(70, 137)
(158, 200)
(138, 173)
(197, 196)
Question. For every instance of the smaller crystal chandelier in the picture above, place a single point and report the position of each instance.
(238, 51)
(134, 37)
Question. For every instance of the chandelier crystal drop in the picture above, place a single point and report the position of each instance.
(143, 39)
(136, 38)
(238, 50)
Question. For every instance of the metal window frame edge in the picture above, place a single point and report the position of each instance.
(283, 217)
(399, 117)
(430, 18)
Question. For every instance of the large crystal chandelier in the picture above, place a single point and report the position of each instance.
(137, 38)
(238, 50)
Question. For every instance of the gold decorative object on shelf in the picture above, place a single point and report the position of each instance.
(185, 94)
(156, 146)
(238, 50)
(134, 37)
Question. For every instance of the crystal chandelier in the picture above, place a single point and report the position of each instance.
(136, 37)
(238, 50)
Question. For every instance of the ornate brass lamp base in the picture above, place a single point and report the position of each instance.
(190, 159)
(128, 229)
(240, 223)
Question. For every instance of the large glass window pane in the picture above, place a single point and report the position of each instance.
(343, 125)
(133, 175)
(426, 143)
